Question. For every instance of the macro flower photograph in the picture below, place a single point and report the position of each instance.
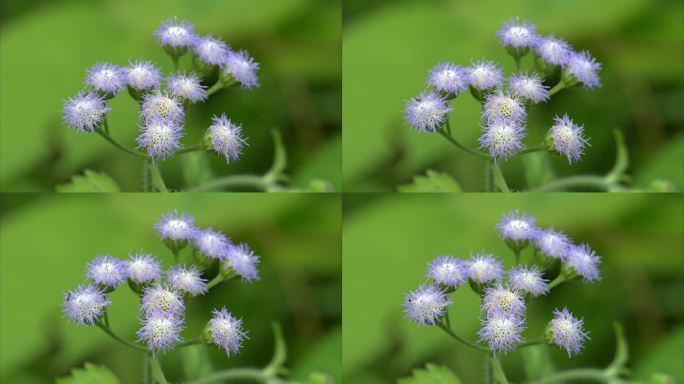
(141, 289)
(161, 96)
(457, 288)
(526, 95)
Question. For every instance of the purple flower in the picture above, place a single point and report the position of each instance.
(517, 227)
(160, 138)
(503, 106)
(85, 112)
(225, 138)
(426, 305)
(188, 280)
(583, 260)
(226, 331)
(552, 243)
(504, 299)
(484, 75)
(242, 68)
(448, 271)
(449, 78)
(528, 87)
(243, 261)
(502, 138)
(553, 51)
(85, 304)
(427, 112)
(143, 268)
(173, 226)
(484, 268)
(211, 50)
(175, 34)
(107, 271)
(187, 87)
(212, 244)
(161, 106)
(567, 332)
(528, 280)
(142, 75)
(567, 138)
(584, 68)
(106, 78)
(161, 299)
(518, 35)
(502, 331)
(161, 331)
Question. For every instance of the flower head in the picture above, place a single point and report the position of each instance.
(173, 226)
(142, 75)
(161, 330)
(211, 243)
(426, 305)
(552, 50)
(427, 112)
(242, 68)
(187, 87)
(449, 78)
(85, 111)
(518, 35)
(188, 280)
(85, 304)
(584, 69)
(243, 261)
(502, 331)
(107, 271)
(211, 50)
(552, 243)
(160, 138)
(225, 331)
(528, 87)
(504, 299)
(503, 106)
(175, 34)
(484, 75)
(225, 138)
(567, 332)
(502, 138)
(484, 268)
(517, 227)
(143, 268)
(528, 280)
(161, 299)
(567, 138)
(583, 260)
(448, 271)
(161, 106)
(106, 78)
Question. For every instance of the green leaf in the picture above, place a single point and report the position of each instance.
(432, 374)
(196, 168)
(537, 361)
(91, 181)
(89, 374)
(432, 182)
(664, 357)
(196, 362)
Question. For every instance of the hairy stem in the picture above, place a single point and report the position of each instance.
(157, 371)
(461, 146)
(186, 343)
(116, 337)
(499, 180)
(516, 251)
(197, 147)
(157, 178)
(237, 181)
(106, 136)
(462, 340)
(580, 375)
(530, 343)
(499, 374)
(589, 181)
(237, 375)
(538, 148)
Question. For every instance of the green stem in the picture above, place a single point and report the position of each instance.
(175, 63)
(157, 371)
(557, 281)
(176, 256)
(186, 343)
(461, 146)
(498, 370)
(215, 88)
(589, 181)
(516, 251)
(237, 181)
(517, 63)
(111, 140)
(488, 176)
(538, 148)
(116, 337)
(584, 375)
(194, 148)
(247, 374)
(530, 343)
(215, 281)
(157, 178)
(462, 340)
(499, 180)
(557, 88)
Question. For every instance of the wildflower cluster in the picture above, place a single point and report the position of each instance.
(163, 294)
(505, 100)
(504, 294)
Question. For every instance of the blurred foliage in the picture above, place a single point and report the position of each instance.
(45, 241)
(389, 241)
(48, 46)
(389, 47)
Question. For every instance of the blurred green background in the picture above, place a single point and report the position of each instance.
(47, 46)
(388, 242)
(46, 241)
(389, 47)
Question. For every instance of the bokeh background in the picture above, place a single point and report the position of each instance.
(47, 46)
(46, 240)
(388, 242)
(389, 47)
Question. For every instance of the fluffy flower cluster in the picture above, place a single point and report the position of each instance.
(505, 294)
(505, 100)
(164, 294)
(163, 99)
